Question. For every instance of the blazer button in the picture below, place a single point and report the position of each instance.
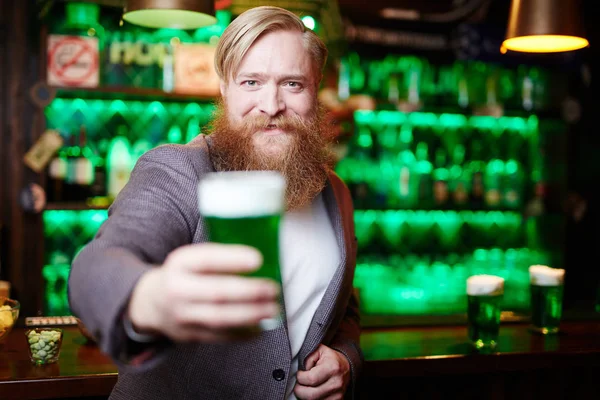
(278, 375)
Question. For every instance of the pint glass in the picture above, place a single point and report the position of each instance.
(245, 208)
(546, 285)
(484, 294)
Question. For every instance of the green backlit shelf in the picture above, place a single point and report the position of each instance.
(525, 125)
(153, 121)
(420, 285)
(404, 283)
(126, 93)
(411, 262)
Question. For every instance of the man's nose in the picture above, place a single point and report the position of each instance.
(272, 102)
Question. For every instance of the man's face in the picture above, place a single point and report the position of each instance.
(276, 78)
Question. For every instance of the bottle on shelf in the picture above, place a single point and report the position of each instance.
(460, 181)
(57, 175)
(119, 162)
(475, 169)
(98, 186)
(424, 170)
(84, 168)
(494, 172)
(441, 194)
(393, 89)
(193, 129)
(405, 182)
(514, 178)
(72, 153)
(140, 146)
(462, 95)
(175, 135)
(82, 19)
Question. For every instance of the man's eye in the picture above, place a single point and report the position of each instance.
(295, 85)
(250, 83)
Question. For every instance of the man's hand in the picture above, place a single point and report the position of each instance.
(199, 295)
(326, 377)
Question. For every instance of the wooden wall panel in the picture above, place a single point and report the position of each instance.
(21, 123)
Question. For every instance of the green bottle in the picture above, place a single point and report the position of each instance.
(119, 162)
(494, 172)
(441, 175)
(513, 185)
(475, 170)
(405, 186)
(424, 171)
(460, 181)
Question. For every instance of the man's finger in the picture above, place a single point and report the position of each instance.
(197, 334)
(215, 258)
(307, 392)
(312, 359)
(221, 289)
(314, 377)
(225, 316)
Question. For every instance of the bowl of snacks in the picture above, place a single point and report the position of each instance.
(44, 344)
(9, 312)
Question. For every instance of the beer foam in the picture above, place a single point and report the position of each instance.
(543, 275)
(485, 285)
(240, 194)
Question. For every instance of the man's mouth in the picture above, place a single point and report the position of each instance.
(273, 129)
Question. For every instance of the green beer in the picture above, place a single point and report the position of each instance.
(245, 207)
(546, 298)
(260, 232)
(484, 297)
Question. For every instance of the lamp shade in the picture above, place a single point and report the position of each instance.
(175, 14)
(544, 26)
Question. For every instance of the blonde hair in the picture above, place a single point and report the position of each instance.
(244, 30)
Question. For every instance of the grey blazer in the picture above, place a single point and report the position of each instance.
(157, 212)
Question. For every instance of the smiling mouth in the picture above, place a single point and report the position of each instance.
(273, 130)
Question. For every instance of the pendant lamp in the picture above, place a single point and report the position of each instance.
(175, 14)
(545, 26)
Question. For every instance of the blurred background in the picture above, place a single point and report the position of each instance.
(462, 157)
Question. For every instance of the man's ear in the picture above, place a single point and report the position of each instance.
(222, 87)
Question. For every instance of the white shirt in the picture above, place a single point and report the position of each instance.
(309, 258)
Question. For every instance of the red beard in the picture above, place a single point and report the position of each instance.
(303, 157)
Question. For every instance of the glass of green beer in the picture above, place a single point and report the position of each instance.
(546, 285)
(245, 207)
(484, 296)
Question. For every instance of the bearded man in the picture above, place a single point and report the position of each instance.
(165, 303)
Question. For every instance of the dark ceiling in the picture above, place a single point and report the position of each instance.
(450, 11)
(369, 11)
(491, 12)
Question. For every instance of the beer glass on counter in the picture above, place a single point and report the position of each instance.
(546, 285)
(484, 296)
(245, 207)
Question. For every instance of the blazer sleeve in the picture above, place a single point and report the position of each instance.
(347, 337)
(153, 214)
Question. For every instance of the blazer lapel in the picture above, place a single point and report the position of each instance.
(324, 314)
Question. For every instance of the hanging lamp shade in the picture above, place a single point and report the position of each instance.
(544, 26)
(175, 14)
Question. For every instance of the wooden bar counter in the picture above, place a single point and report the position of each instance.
(427, 362)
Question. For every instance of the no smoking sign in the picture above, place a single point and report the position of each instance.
(73, 61)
